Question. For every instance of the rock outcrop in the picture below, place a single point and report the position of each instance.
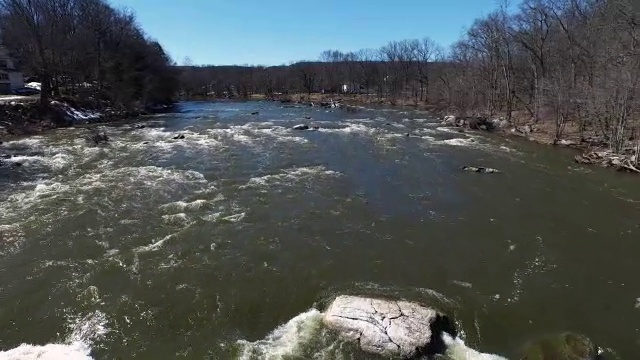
(387, 327)
(301, 127)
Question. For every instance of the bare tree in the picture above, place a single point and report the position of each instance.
(307, 77)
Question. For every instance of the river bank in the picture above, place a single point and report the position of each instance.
(593, 147)
(30, 118)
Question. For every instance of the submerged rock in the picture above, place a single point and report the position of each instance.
(99, 138)
(255, 113)
(178, 137)
(483, 170)
(566, 346)
(387, 327)
(301, 127)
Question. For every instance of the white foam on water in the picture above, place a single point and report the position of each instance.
(285, 341)
(457, 350)
(11, 238)
(537, 265)
(155, 245)
(180, 219)
(463, 284)
(427, 122)
(184, 206)
(84, 332)
(154, 133)
(149, 177)
(30, 142)
(448, 130)
(235, 218)
(212, 217)
(358, 129)
(74, 351)
(137, 181)
(42, 189)
(255, 134)
(290, 176)
(89, 328)
(55, 162)
(469, 142)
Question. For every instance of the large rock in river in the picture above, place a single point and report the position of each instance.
(388, 328)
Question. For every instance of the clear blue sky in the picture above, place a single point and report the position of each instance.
(273, 32)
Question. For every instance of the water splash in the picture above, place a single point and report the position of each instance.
(290, 176)
(457, 350)
(302, 337)
(84, 332)
(74, 351)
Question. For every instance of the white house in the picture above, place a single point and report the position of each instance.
(10, 78)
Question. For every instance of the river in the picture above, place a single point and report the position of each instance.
(228, 243)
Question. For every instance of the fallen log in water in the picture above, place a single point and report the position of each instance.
(608, 159)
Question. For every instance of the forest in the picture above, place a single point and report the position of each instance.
(572, 65)
(86, 49)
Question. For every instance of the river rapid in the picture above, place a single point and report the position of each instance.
(229, 243)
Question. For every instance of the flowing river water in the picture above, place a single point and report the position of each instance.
(228, 244)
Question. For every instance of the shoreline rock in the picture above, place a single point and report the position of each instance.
(20, 119)
(473, 123)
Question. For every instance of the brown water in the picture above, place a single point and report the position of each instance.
(223, 244)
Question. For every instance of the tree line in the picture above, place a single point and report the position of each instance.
(87, 49)
(562, 62)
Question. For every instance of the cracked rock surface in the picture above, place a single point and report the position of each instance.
(385, 327)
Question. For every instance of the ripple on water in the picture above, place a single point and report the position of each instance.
(11, 239)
